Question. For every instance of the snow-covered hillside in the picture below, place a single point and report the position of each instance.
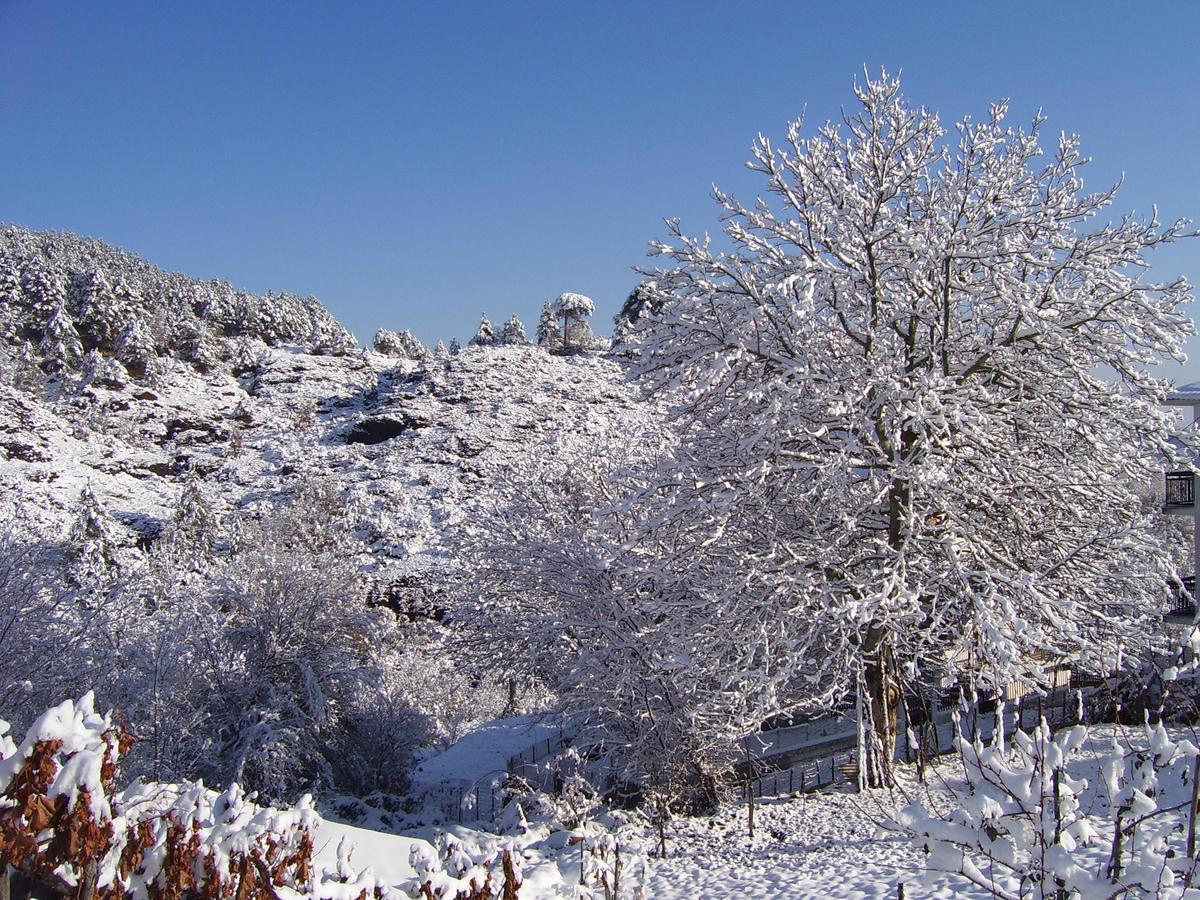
(404, 443)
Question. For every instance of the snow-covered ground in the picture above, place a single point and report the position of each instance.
(486, 750)
(835, 844)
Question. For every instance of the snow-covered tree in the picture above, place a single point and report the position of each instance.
(572, 310)
(196, 344)
(102, 314)
(913, 397)
(93, 545)
(640, 300)
(571, 586)
(549, 332)
(11, 301)
(484, 335)
(513, 332)
(100, 369)
(412, 347)
(387, 342)
(135, 348)
(455, 346)
(60, 347)
(194, 526)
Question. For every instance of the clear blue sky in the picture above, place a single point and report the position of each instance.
(414, 164)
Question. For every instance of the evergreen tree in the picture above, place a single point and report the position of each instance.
(194, 526)
(513, 332)
(549, 334)
(387, 342)
(572, 310)
(92, 545)
(410, 346)
(102, 314)
(135, 348)
(60, 347)
(11, 299)
(484, 336)
(196, 345)
(641, 301)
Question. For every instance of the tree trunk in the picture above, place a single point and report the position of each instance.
(882, 707)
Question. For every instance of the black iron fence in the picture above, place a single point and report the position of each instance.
(1181, 490)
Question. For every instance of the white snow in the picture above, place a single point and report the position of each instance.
(486, 750)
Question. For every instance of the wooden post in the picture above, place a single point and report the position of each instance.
(1191, 836)
(750, 794)
(6, 883)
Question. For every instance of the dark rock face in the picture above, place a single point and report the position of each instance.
(378, 429)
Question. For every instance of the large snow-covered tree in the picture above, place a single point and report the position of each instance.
(914, 396)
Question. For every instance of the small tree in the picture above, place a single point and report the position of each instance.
(60, 348)
(513, 332)
(387, 342)
(549, 333)
(484, 335)
(102, 313)
(135, 348)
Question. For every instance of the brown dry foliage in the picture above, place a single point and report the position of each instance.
(79, 841)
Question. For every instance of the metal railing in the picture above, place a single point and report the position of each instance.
(1180, 490)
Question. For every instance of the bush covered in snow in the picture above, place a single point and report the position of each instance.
(1031, 819)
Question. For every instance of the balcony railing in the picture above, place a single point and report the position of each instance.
(1181, 490)
(1182, 600)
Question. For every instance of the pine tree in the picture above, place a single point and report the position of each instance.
(484, 336)
(194, 526)
(102, 314)
(641, 301)
(410, 346)
(60, 347)
(11, 301)
(572, 309)
(513, 332)
(92, 544)
(135, 348)
(549, 334)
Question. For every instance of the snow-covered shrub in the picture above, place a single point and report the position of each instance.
(66, 825)
(1027, 822)
(49, 640)
(566, 584)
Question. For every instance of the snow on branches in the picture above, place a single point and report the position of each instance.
(1025, 822)
(915, 400)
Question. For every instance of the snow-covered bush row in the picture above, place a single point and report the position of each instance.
(69, 304)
